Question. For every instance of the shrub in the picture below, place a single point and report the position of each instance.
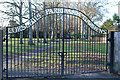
(97, 35)
(76, 35)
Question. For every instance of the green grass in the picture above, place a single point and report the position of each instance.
(83, 52)
(15, 46)
(70, 46)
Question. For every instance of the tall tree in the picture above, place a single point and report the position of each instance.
(107, 24)
(20, 17)
(116, 19)
(44, 25)
(15, 12)
(111, 22)
(30, 29)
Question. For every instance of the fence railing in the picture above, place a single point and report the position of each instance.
(1, 54)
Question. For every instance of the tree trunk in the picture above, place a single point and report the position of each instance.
(82, 29)
(53, 32)
(44, 26)
(20, 17)
(37, 25)
(30, 29)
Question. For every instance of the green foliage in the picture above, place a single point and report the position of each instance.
(97, 35)
(66, 33)
(116, 19)
(111, 22)
(107, 24)
(77, 35)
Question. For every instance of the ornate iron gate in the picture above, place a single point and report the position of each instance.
(63, 41)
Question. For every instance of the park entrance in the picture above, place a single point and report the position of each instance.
(56, 41)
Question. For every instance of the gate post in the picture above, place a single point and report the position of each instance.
(111, 34)
(115, 49)
(1, 54)
(116, 62)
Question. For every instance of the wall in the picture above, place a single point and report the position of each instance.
(116, 61)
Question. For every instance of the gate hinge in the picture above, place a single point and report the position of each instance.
(109, 39)
(4, 70)
(4, 39)
(108, 64)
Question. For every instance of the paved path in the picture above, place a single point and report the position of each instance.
(23, 57)
(91, 76)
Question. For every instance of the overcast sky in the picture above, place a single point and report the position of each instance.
(112, 8)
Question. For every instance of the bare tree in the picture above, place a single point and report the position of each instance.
(30, 29)
(15, 11)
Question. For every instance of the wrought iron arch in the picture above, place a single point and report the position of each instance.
(40, 15)
(80, 46)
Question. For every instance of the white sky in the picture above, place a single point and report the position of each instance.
(111, 8)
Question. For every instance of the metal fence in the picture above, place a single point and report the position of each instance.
(58, 42)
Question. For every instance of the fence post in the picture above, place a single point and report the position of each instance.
(115, 51)
(1, 54)
(116, 62)
(111, 51)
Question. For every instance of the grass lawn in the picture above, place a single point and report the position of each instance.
(69, 46)
(79, 54)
